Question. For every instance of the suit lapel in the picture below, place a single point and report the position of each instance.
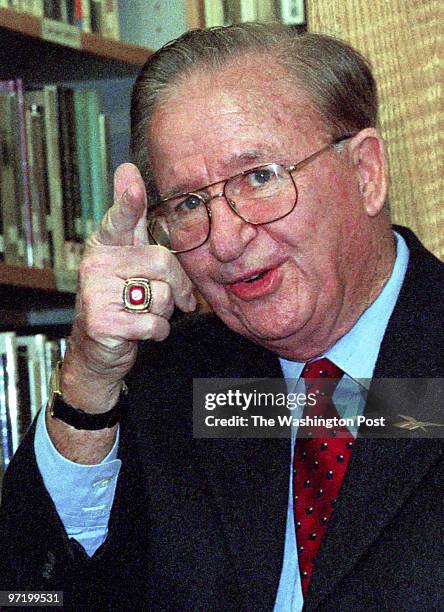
(381, 475)
(249, 481)
(384, 472)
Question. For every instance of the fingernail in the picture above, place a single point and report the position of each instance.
(126, 196)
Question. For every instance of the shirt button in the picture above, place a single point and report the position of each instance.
(101, 484)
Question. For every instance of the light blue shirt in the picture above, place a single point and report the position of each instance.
(83, 494)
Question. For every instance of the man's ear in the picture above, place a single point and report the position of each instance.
(369, 156)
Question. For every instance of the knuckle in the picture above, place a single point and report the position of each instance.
(89, 267)
(163, 295)
(160, 328)
(162, 260)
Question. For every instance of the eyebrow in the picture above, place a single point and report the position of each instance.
(236, 162)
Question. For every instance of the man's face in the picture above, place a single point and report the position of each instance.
(309, 263)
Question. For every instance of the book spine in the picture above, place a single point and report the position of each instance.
(5, 419)
(66, 120)
(32, 379)
(39, 188)
(76, 196)
(64, 14)
(51, 9)
(52, 139)
(8, 352)
(217, 13)
(26, 208)
(25, 389)
(37, 8)
(86, 14)
(96, 17)
(105, 158)
(248, 10)
(292, 11)
(71, 11)
(266, 10)
(95, 155)
(83, 159)
(110, 16)
(13, 246)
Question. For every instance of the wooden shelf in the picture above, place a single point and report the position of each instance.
(106, 49)
(33, 278)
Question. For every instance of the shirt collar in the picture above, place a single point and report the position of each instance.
(356, 352)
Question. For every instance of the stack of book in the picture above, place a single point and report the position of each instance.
(55, 173)
(25, 367)
(98, 16)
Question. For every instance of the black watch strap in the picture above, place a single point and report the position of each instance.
(77, 418)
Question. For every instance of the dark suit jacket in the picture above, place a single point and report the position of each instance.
(200, 524)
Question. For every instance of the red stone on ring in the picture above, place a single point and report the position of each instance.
(137, 295)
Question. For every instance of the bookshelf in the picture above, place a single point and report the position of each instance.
(33, 278)
(37, 60)
(105, 49)
(26, 53)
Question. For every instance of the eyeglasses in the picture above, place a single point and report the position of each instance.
(258, 195)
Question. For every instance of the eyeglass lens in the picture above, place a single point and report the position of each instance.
(261, 196)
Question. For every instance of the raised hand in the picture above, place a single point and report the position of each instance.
(103, 344)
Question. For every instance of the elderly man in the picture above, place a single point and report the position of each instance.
(266, 179)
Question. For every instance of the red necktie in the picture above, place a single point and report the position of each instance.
(320, 462)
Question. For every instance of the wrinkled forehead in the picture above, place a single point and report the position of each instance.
(219, 113)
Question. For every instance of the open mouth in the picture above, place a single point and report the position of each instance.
(255, 277)
(256, 285)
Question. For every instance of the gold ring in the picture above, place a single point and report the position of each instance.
(137, 295)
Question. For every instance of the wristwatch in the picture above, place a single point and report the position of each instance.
(59, 409)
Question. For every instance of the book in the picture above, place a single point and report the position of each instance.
(82, 15)
(69, 170)
(247, 10)
(14, 134)
(292, 11)
(46, 100)
(12, 246)
(96, 16)
(105, 159)
(35, 131)
(216, 13)
(37, 8)
(34, 7)
(5, 419)
(98, 204)
(55, 220)
(32, 377)
(266, 10)
(25, 383)
(80, 98)
(110, 19)
(10, 408)
(52, 9)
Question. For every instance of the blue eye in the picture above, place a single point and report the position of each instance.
(260, 176)
(189, 203)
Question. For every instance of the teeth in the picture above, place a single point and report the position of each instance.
(252, 278)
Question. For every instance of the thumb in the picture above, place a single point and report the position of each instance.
(125, 222)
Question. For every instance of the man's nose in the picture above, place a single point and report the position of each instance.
(229, 233)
